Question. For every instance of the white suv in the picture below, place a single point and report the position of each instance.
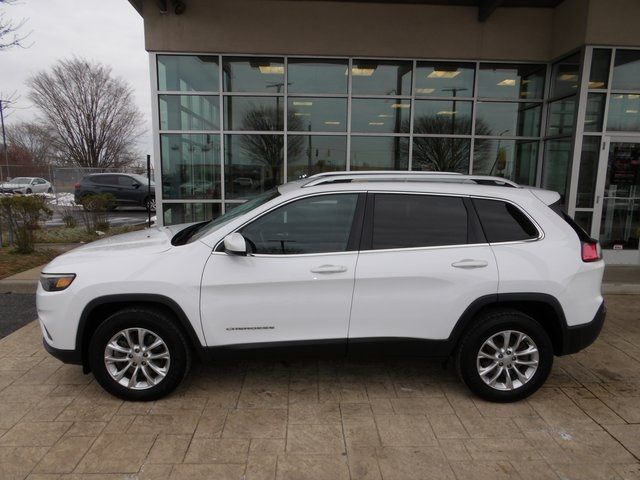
(372, 263)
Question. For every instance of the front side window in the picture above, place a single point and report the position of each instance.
(409, 221)
(318, 224)
(504, 222)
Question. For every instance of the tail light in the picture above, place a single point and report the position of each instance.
(76, 186)
(591, 251)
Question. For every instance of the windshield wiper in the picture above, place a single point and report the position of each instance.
(185, 234)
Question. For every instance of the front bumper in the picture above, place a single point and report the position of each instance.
(65, 356)
(579, 337)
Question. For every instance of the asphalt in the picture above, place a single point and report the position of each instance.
(16, 310)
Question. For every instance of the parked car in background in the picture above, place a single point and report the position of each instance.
(26, 185)
(129, 189)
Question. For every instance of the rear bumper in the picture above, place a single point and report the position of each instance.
(579, 337)
(65, 356)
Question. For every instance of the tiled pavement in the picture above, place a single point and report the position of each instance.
(326, 420)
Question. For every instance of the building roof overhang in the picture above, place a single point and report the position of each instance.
(485, 7)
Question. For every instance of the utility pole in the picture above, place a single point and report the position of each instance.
(4, 140)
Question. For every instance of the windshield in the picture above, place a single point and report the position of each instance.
(20, 180)
(241, 209)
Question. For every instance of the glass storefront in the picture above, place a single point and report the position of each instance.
(233, 126)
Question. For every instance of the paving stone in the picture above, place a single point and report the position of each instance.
(405, 430)
(169, 449)
(64, 455)
(321, 439)
(34, 434)
(17, 462)
(313, 467)
(207, 472)
(417, 463)
(116, 453)
(216, 450)
(314, 413)
(256, 423)
(628, 435)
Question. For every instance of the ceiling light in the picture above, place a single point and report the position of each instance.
(596, 84)
(425, 90)
(361, 71)
(443, 73)
(331, 123)
(376, 123)
(568, 77)
(298, 114)
(385, 115)
(507, 82)
(633, 96)
(446, 112)
(300, 103)
(631, 111)
(271, 69)
(400, 105)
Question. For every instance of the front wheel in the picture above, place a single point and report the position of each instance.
(139, 354)
(505, 357)
(150, 204)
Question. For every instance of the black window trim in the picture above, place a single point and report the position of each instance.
(475, 234)
(354, 235)
(537, 226)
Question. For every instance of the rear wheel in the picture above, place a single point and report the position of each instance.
(28, 191)
(139, 354)
(506, 356)
(150, 203)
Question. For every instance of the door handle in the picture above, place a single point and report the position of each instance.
(470, 263)
(329, 269)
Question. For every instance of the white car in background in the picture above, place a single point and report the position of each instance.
(26, 185)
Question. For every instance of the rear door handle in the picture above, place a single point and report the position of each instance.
(329, 269)
(470, 263)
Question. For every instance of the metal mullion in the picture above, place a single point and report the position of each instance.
(156, 147)
(188, 93)
(191, 132)
(349, 98)
(310, 133)
(624, 92)
(543, 125)
(380, 134)
(509, 100)
(253, 132)
(472, 145)
(383, 97)
(505, 137)
(317, 95)
(578, 128)
(605, 114)
(175, 201)
(223, 187)
(444, 135)
(252, 94)
(442, 99)
(412, 113)
(285, 122)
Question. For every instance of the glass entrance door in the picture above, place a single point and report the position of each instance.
(616, 221)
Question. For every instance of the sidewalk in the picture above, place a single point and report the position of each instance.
(618, 280)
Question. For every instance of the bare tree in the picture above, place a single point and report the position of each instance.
(9, 29)
(35, 139)
(91, 113)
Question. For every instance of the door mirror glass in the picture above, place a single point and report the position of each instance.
(235, 244)
(135, 184)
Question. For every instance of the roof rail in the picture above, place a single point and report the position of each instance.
(395, 176)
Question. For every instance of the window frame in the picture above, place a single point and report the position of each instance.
(475, 234)
(355, 233)
(537, 226)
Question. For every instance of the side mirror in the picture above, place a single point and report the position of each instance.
(135, 185)
(235, 244)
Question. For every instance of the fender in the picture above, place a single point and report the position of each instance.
(130, 298)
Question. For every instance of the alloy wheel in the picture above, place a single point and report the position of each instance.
(507, 360)
(137, 358)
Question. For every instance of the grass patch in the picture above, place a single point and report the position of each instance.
(11, 262)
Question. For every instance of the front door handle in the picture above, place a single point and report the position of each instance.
(470, 263)
(329, 269)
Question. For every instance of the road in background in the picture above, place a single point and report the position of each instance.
(16, 310)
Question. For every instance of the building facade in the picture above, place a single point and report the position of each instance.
(248, 94)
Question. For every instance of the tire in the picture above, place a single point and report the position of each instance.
(28, 191)
(525, 378)
(156, 324)
(150, 203)
(50, 190)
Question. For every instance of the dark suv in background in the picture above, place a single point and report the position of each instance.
(129, 189)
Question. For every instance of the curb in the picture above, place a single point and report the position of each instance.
(621, 289)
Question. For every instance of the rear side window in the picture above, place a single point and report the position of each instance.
(406, 221)
(105, 179)
(504, 222)
(582, 234)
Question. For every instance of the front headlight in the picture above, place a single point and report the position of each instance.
(54, 282)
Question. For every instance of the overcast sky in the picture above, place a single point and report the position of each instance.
(107, 31)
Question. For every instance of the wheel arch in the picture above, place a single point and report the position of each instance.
(542, 307)
(99, 309)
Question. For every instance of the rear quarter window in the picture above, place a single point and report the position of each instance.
(504, 222)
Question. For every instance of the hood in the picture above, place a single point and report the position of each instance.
(132, 244)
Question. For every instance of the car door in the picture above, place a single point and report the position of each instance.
(423, 262)
(129, 190)
(296, 284)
